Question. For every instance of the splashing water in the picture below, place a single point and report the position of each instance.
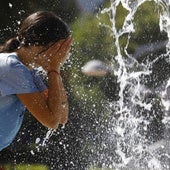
(127, 143)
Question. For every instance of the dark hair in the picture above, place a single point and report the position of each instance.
(39, 28)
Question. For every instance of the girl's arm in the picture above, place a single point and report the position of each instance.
(51, 109)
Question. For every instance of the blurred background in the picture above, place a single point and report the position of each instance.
(76, 146)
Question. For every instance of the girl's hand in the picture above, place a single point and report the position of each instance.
(57, 53)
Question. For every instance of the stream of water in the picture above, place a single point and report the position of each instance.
(130, 147)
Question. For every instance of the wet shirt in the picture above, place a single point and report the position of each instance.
(15, 78)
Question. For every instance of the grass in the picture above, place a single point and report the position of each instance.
(23, 167)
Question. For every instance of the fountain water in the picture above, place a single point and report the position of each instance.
(139, 109)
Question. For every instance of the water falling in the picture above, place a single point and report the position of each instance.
(129, 144)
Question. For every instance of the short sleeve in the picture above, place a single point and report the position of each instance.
(38, 80)
(16, 79)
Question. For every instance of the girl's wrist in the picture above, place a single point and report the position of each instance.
(53, 71)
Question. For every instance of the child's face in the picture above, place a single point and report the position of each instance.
(52, 55)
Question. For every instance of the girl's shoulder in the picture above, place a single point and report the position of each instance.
(7, 60)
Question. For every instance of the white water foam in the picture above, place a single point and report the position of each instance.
(133, 151)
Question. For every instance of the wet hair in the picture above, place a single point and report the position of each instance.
(40, 28)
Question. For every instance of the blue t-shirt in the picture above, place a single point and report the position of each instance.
(15, 78)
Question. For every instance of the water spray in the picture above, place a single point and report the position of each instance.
(135, 108)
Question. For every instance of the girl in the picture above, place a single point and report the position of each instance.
(43, 40)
